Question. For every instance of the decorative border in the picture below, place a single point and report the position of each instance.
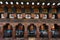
(29, 3)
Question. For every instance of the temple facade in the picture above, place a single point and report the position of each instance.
(29, 20)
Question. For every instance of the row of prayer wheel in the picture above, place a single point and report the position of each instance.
(30, 31)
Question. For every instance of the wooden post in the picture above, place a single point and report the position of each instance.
(13, 32)
(37, 32)
(1, 32)
(49, 29)
(25, 32)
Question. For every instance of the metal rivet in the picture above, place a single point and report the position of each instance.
(38, 3)
(32, 3)
(22, 3)
(11, 2)
(6, 2)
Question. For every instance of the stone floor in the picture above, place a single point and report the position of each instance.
(30, 39)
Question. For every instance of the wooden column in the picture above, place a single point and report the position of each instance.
(13, 32)
(38, 33)
(25, 31)
(1, 31)
(49, 29)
